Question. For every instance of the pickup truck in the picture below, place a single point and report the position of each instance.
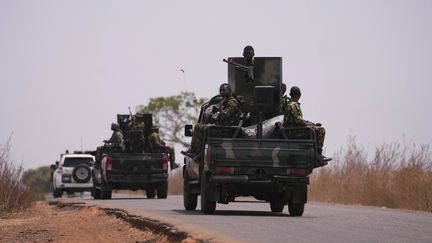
(258, 157)
(115, 168)
(133, 171)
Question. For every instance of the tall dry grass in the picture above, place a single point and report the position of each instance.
(175, 182)
(14, 195)
(395, 176)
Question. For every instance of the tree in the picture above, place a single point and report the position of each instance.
(39, 179)
(172, 113)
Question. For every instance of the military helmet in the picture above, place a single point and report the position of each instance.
(294, 91)
(114, 126)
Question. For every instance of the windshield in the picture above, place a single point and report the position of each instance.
(73, 162)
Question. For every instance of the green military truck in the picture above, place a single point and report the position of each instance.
(258, 157)
(116, 168)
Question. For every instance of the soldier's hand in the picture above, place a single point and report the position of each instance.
(215, 109)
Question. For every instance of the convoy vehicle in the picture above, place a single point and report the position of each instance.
(73, 174)
(117, 169)
(257, 157)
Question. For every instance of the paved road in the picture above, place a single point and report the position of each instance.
(252, 221)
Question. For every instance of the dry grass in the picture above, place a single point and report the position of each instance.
(395, 177)
(14, 195)
(175, 182)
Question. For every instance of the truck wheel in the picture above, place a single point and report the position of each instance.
(57, 193)
(295, 209)
(96, 193)
(190, 200)
(150, 191)
(106, 194)
(162, 190)
(207, 207)
(276, 206)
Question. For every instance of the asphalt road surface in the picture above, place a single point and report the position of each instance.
(251, 221)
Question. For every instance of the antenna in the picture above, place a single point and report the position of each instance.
(82, 150)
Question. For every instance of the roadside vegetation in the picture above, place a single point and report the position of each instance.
(394, 176)
(14, 195)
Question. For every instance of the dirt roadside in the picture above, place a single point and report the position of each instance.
(57, 222)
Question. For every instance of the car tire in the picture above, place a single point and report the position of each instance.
(190, 200)
(162, 190)
(150, 191)
(57, 193)
(81, 173)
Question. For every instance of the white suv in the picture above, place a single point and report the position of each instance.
(73, 174)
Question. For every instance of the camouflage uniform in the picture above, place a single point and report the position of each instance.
(293, 117)
(158, 146)
(136, 144)
(116, 138)
(229, 110)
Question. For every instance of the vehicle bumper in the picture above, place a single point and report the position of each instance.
(253, 180)
(151, 178)
(76, 185)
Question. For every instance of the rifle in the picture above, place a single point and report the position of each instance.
(132, 117)
(248, 69)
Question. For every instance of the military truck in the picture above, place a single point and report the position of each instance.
(258, 157)
(116, 168)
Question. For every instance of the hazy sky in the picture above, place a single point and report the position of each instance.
(68, 67)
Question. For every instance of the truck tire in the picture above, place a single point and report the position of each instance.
(276, 205)
(162, 190)
(57, 193)
(207, 207)
(96, 193)
(295, 209)
(190, 200)
(105, 193)
(150, 191)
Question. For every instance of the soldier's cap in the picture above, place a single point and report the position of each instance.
(155, 127)
(115, 126)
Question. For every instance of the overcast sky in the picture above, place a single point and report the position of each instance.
(68, 67)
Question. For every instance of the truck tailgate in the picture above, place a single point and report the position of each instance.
(124, 163)
(262, 153)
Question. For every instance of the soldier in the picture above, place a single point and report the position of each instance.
(116, 137)
(159, 146)
(136, 139)
(227, 114)
(229, 108)
(248, 54)
(293, 117)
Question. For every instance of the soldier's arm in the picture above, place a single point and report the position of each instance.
(297, 114)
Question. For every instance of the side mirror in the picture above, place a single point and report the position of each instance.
(53, 167)
(188, 130)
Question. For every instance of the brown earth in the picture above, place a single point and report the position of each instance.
(74, 223)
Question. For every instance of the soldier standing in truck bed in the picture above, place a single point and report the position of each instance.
(293, 117)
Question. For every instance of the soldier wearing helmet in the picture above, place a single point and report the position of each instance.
(293, 117)
(116, 137)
